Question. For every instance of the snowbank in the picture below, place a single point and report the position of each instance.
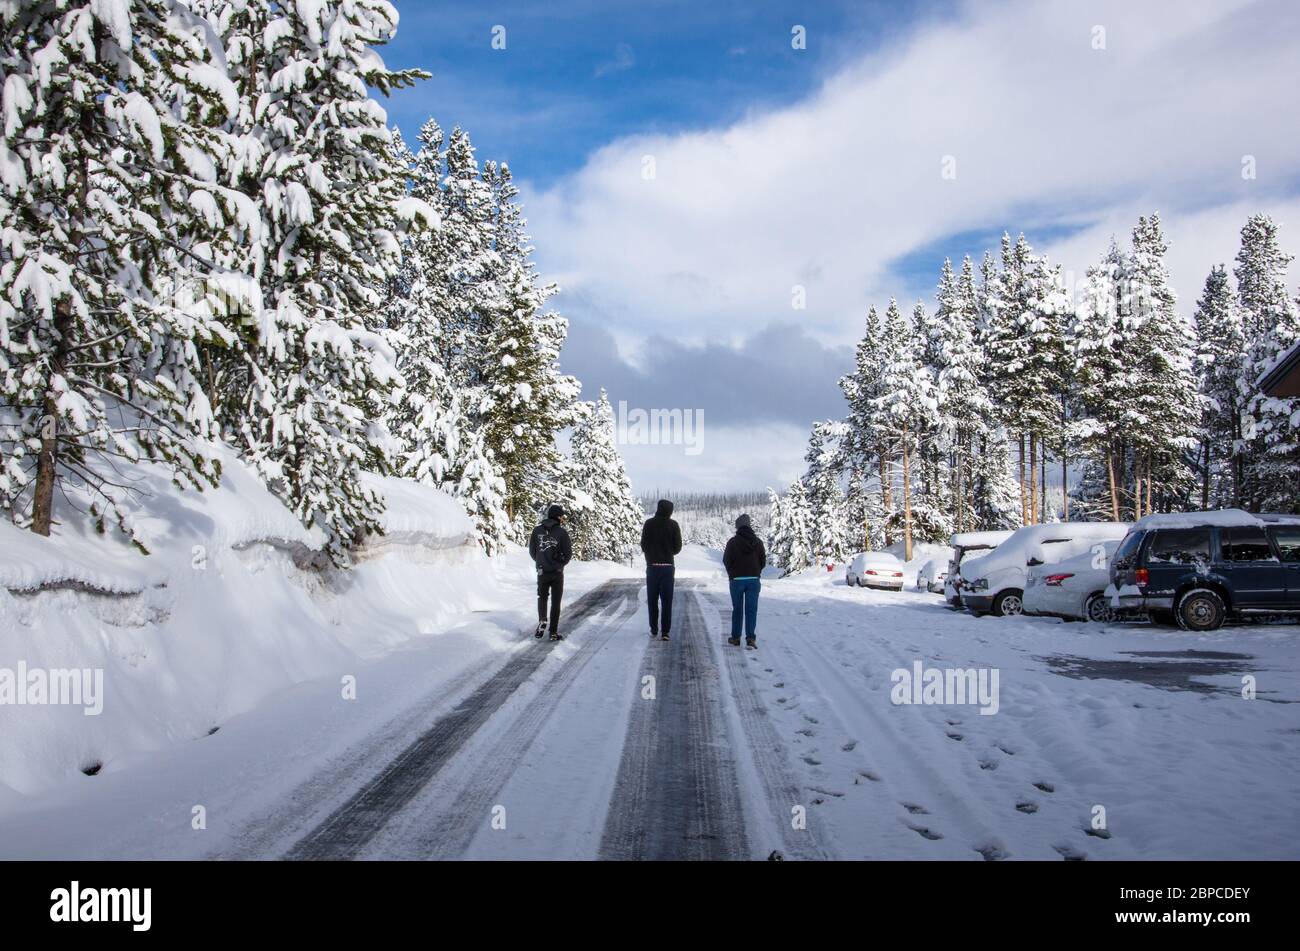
(231, 605)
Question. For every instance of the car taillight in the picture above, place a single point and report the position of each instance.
(1054, 581)
(898, 574)
(871, 571)
(1142, 576)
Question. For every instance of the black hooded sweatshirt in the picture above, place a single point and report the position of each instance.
(550, 546)
(661, 537)
(744, 556)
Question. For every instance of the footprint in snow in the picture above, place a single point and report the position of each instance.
(956, 736)
(868, 775)
(811, 761)
(782, 699)
(987, 763)
(925, 833)
(1070, 853)
(849, 746)
(1045, 787)
(805, 732)
(812, 720)
(952, 722)
(1097, 833)
(1028, 808)
(992, 853)
(915, 810)
(1009, 752)
(779, 685)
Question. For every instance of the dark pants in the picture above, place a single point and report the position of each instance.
(744, 599)
(549, 583)
(659, 590)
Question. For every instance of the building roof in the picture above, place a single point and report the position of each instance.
(1283, 378)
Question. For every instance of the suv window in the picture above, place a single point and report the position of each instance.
(1245, 544)
(1288, 542)
(1127, 549)
(1180, 546)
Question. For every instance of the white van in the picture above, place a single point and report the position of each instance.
(964, 544)
(995, 583)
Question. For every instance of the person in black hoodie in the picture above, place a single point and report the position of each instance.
(661, 539)
(551, 549)
(744, 558)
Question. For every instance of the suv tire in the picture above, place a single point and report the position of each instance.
(1010, 603)
(1200, 610)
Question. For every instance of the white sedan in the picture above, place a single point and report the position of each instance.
(875, 569)
(932, 575)
(1073, 589)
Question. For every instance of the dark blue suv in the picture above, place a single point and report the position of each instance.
(1200, 568)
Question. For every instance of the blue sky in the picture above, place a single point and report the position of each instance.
(577, 75)
(818, 170)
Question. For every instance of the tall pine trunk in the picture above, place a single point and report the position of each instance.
(1024, 501)
(1033, 479)
(1114, 484)
(907, 499)
(47, 462)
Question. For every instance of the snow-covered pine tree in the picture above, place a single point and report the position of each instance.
(965, 408)
(110, 177)
(995, 494)
(611, 528)
(1164, 351)
(906, 399)
(932, 504)
(828, 533)
(317, 159)
(435, 439)
(1271, 323)
(796, 515)
(864, 443)
(1221, 351)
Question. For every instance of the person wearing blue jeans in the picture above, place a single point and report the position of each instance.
(744, 559)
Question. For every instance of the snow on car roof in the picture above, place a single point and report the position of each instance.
(1076, 563)
(1221, 517)
(1035, 538)
(967, 539)
(877, 556)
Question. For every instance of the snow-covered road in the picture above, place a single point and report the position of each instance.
(610, 745)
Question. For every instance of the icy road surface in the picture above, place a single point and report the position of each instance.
(1122, 741)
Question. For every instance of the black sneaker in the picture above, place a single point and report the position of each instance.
(541, 629)
(734, 641)
(751, 644)
(663, 636)
(556, 636)
(654, 635)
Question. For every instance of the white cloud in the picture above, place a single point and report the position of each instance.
(1045, 131)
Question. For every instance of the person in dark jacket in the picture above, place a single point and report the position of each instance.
(551, 549)
(744, 558)
(661, 540)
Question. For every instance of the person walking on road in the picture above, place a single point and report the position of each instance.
(550, 549)
(744, 558)
(661, 540)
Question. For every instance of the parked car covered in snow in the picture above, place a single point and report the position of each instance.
(966, 545)
(1201, 568)
(932, 575)
(875, 569)
(1073, 589)
(995, 583)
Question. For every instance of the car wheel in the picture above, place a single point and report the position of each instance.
(1009, 603)
(1200, 611)
(1097, 609)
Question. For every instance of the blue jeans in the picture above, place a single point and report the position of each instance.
(659, 590)
(744, 597)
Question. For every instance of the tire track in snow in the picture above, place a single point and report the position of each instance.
(781, 788)
(454, 827)
(676, 795)
(343, 833)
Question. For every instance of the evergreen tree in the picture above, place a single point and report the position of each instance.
(111, 176)
(1221, 350)
(611, 528)
(319, 167)
(828, 534)
(1271, 325)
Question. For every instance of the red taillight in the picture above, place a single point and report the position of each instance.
(1054, 581)
(898, 574)
(1142, 576)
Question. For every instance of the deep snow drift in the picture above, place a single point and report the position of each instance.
(232, 605)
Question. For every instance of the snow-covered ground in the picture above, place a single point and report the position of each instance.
(473, 740)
